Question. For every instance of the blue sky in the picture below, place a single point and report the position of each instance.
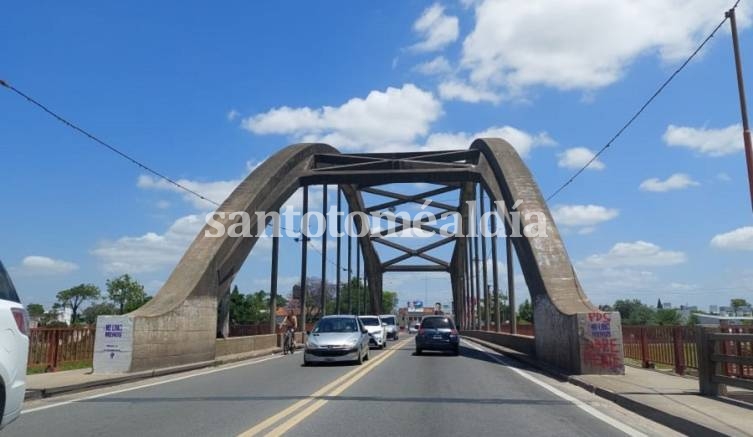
(206, 93)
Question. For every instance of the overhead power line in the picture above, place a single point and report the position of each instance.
(103, 143)
(642, 108)
(121, 153)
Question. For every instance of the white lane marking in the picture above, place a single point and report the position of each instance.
(577, 402)
(167, 381)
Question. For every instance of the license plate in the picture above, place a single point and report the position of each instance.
(437, 337)
(329, 359)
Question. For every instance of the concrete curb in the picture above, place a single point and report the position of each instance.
(34, 394)
(676, 423)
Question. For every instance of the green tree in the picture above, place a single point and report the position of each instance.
(250, 308)
(239, 312)
(51, 315)
(388, 301)
(634, 312)
(281, 301)
(35, 310)
(667, 317)
(127, 293)
(74, 297)
(91, 312)
(737, 303)
(693, 320)
(525, 311)
(258, 306)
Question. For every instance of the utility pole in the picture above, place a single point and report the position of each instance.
(743, 106)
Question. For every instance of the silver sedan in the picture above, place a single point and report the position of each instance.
(337, 338)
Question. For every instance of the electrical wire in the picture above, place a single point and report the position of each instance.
(642, 108)
(110, 147)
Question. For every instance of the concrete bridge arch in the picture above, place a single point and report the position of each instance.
(179, 325)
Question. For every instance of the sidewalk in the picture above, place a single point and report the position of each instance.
(672, 401)
(668, 399)
(45, 385)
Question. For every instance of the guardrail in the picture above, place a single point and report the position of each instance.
(250, 329)
(668, 345)
(49, 348)
(726, 359)
(258, 329)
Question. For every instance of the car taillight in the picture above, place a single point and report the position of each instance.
(22, 320)
(420, 332)
(454, 332)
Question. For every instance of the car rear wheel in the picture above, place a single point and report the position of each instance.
(456, 351)
(418, 351)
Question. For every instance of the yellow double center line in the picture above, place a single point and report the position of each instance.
(334, 388)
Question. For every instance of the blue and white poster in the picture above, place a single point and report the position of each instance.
(113, 344)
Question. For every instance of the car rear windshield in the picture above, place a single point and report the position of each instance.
(370, 321)
(390, 320)
(344, 324)
(7, 291)
(437, 323)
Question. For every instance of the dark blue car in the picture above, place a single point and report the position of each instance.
(437, 333)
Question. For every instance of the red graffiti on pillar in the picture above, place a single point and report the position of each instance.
(601, 349)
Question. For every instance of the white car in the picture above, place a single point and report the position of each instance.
(14, 350)
(391, 327)
(413, 328)
(377, 330)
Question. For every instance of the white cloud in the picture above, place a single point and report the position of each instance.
(232, 115)
(577, 157)
(43, 265)
(149, 252)
(585, 216)
(608, 284)
(222, 189)
(456, 90)
(584, 45)
(436, 29)
(724, 177)
(253, 164)
(637, 254)
(216, 191)
(522, 141)
(436, 66)
(678, 181)
(162, 204)
(710, 142)
(738, 239)
(384, 119)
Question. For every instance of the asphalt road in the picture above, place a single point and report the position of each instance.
(394, 394)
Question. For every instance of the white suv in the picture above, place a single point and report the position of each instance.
(14, 350)
(377, 331)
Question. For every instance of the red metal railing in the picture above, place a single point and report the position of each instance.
(736, 348)
(669, 345)
(677, 346)
(51, 347)
(246, 330)
(521, 329)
